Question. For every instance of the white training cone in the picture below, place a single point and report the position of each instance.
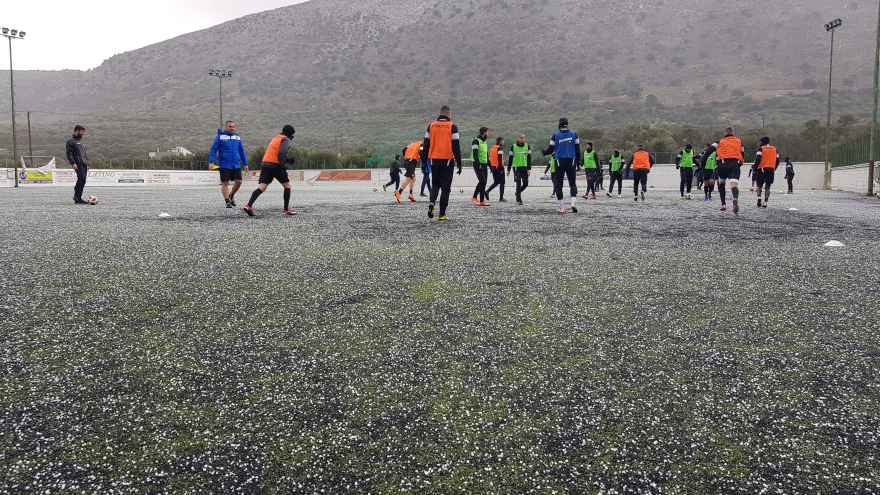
(164, 215)
(833, 244)
(792, 209)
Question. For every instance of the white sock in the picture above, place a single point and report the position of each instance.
(560, 202)
(573, 199)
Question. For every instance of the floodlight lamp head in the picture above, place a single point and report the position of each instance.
(5, 30)
(210, 72)
(21, 34)
(13, 32)
(222, 72)
(229, 73)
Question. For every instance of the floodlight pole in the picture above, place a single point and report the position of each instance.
(874, 118)
(220, 74)
(12, 34)
(830, 27)
(30, 142)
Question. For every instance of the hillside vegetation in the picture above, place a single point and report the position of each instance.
(361, 72)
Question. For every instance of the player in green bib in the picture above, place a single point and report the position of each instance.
(684, 162)
(551, 169)
(616, 168)
(480, 158)
(709, 173)
(591, 167)
(520, 161)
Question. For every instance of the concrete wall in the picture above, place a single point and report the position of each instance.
(807, 175)
(663, 176)
(851, 179)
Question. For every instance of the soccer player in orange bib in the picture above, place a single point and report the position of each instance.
(442, 147)
(729, 152)
(766, 162)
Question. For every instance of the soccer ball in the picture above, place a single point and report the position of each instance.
(461, 190)
(93, 200)
(688, 195)
(375, 189)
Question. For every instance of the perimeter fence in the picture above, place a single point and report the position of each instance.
(855, 152)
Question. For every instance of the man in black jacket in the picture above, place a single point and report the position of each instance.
(79, 160)
(394, 172)
(789, 175)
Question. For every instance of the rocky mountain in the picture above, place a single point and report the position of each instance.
(327, 57)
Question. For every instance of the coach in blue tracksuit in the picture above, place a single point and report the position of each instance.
(228, 151)
(567, 147)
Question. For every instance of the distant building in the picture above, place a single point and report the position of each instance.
(178, 151)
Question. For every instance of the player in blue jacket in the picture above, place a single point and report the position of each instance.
(227, 153)
(567, 147)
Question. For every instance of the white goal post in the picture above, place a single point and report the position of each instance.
(41, 164)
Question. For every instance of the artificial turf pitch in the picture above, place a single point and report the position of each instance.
(358, 347)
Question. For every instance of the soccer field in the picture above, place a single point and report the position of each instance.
(358, 347)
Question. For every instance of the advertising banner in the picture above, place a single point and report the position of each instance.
(65, 177)
(183, 179)
(35, 177)
(102, 178)
(345, 175)
(159, 178)
(131, 177)
(293, 175)
(204, 178)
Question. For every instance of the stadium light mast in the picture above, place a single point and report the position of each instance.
(220, 74)
(12, 34)
(874, 119)
(829, 28)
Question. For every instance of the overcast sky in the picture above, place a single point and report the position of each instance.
(80, 34)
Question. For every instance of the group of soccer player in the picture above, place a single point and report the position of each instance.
(719, 164)
(440, 155)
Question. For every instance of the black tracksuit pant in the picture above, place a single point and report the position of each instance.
(482, 178)
(395, 179)
(81, 175)
(640, 176)
(441, 182)
(565, 168)
(616, 177)
(592, 181)
(521, 177)
(687, 179)
(497, 181)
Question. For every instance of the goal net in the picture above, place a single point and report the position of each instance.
(39, 164)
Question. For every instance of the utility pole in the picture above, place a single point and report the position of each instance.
(220, 74)
(830, 27)
(30, 143)
(13, 34)
(871, 153)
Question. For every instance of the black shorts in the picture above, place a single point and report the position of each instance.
(410, 166)
(273, 171)
(228, 174)
(709, 174)
(764, 176)
(728, 171)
